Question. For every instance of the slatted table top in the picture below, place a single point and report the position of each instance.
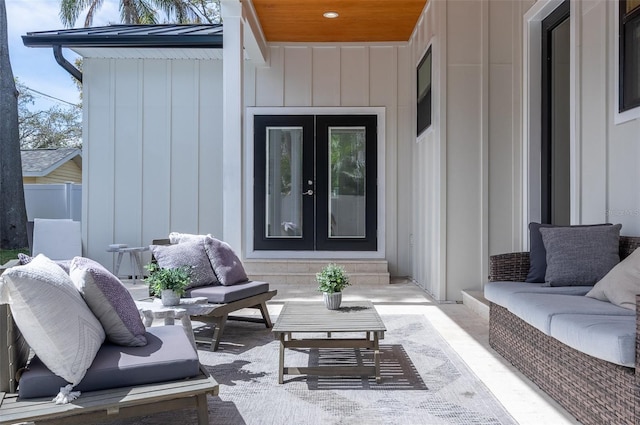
(353, 316)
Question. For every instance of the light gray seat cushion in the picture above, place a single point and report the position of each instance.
(501, 292)
(220, 294)
(167, 356)
(610, 338)
(538, 310)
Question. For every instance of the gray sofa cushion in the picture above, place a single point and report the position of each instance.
(580, 255)
(610, 338)
(220, 294)
(538, 310)
(167, 356)
(501, 292)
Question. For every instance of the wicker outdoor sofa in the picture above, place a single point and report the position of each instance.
(593, 390)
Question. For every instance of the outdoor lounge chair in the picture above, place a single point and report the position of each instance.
(101, 400)
(229, 299)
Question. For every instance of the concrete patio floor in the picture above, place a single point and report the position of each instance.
(462, 327)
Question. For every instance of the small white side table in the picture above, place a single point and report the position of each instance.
(153, 309)
(137, 271)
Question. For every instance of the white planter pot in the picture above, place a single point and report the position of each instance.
(169, 297)
(333, 300)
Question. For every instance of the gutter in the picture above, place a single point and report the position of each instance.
(63, 62)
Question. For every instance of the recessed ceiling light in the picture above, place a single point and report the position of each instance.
(330, 15)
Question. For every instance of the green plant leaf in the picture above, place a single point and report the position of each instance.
(332, 278)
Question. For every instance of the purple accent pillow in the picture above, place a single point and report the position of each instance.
(225, 262)
(109, 301)
(190, 253)
(24, 258)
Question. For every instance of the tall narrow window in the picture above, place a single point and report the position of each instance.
(629, 54)
(424, 92)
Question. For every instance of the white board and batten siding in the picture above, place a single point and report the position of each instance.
(152, 143)
(466, 167)
(348, 76)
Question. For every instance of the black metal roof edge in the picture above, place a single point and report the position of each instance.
(96, 37)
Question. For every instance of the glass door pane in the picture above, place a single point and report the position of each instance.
(346, 182)
(284, 191)
(283, 185)
(347, 177)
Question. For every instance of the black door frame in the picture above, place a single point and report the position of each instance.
(315, 146)
(558, 16)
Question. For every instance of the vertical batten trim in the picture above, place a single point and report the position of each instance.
(484, 138)
(575, 120)
(169, 129)
(140, 147)
(440, 274)
(517, 196)
(198, 118)
(232, 141)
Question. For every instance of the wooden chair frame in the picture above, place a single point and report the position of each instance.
(92, 406)
(219, 316)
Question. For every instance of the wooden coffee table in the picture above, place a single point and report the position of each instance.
(315, 318)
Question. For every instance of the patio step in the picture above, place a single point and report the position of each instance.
(303, 272)
(476, 302)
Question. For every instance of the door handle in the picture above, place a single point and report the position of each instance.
(308, 192)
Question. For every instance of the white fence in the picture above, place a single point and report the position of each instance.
(63, 200)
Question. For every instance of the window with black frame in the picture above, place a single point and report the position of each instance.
(424, 92)
(629, 54)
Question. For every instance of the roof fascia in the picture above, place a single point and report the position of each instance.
(133, 41)
(255, 43)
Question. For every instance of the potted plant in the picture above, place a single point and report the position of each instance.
(332, 279)
(169, 283)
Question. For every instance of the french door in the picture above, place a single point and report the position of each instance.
(315, 182)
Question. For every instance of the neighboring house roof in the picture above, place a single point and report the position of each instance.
(41, 162)
(183, 36)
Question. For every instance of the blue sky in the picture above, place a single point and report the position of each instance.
(36, 67)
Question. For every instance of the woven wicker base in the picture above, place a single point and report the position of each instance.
(594, 391)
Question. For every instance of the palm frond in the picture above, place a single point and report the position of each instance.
(95, 5)
(146, 14)
(70, 10)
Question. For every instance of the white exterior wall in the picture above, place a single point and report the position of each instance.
(152, 139)
(466, 174)
(454, 196)
(318, 75)
(609, 153)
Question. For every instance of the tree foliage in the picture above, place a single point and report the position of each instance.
(56, 127)
(145, 11)
(13, 214)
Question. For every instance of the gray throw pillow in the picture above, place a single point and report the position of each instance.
(580, 255)
(225, 262)
(110, 302)
(537, 253)
(189, 253)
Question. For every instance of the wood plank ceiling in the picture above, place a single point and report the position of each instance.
(357, 21)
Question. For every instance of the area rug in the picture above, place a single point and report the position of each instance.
(423, 382)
